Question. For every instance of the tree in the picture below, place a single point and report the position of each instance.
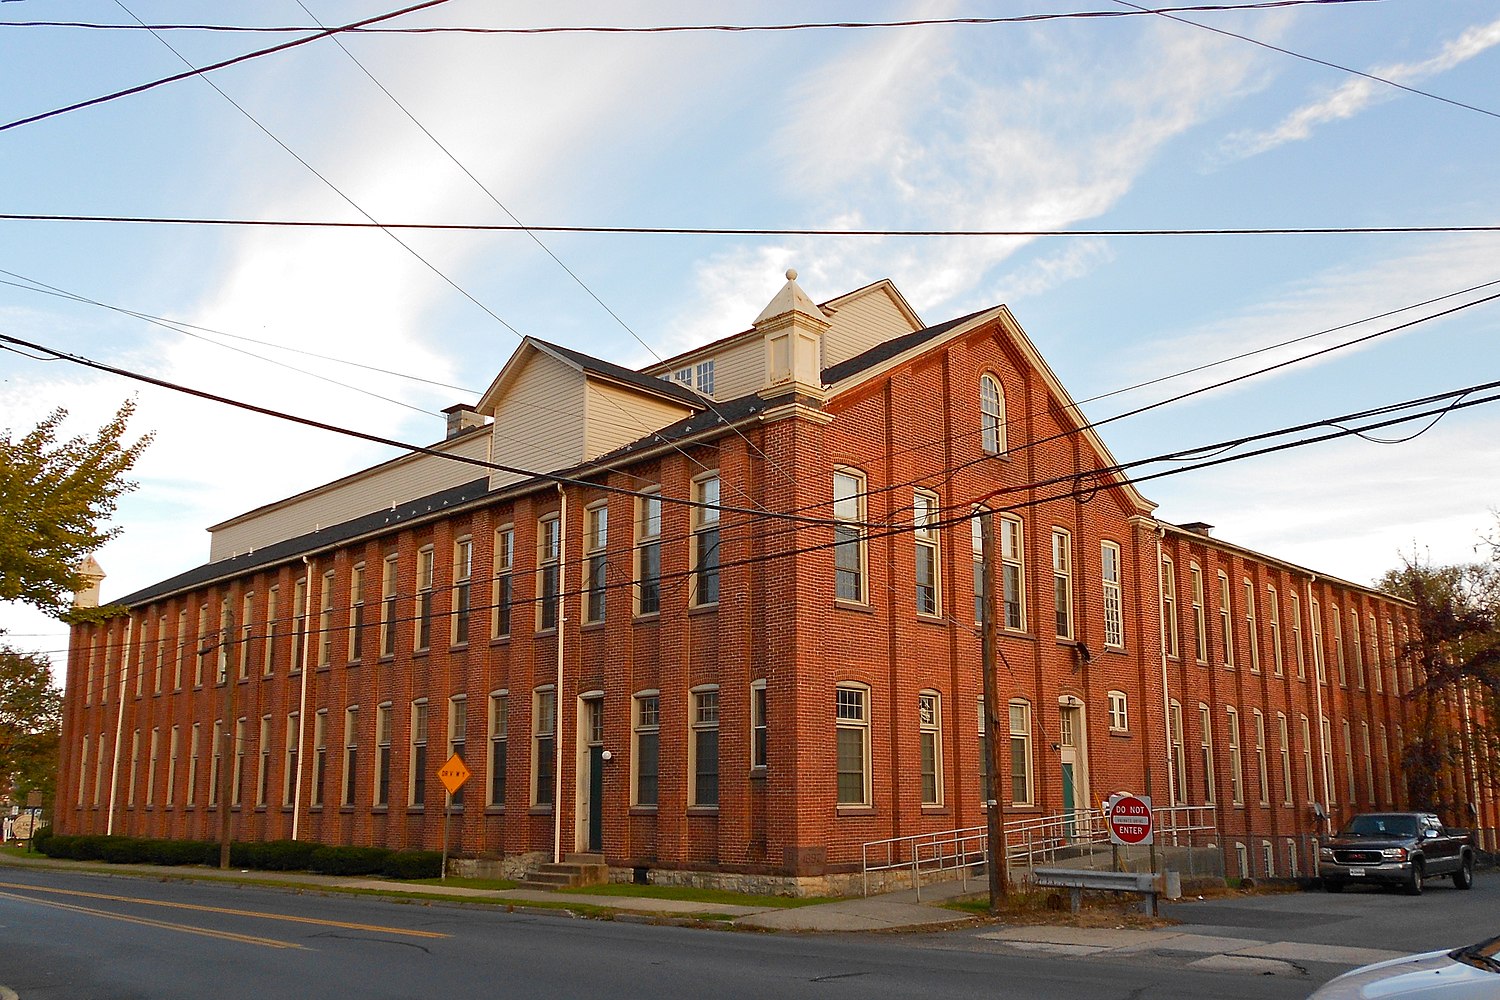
(30, 724)
(55, 498)
(1454, 654)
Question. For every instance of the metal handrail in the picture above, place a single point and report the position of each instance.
(1028, 841)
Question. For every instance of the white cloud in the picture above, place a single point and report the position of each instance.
(1359, 93)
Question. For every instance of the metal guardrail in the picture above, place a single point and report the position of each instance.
(1081, 834)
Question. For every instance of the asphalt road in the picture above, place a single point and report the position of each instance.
(77, 936)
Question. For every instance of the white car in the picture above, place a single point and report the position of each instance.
(1471, 973)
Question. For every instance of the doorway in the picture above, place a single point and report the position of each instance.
(1073, 760)
(593, 797)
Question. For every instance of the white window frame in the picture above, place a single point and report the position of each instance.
(645, 726)
(852, 720)
(648, 514)
(1206, 752)
(1169, 636)
(1020, 749)
(497, 749)
(992, 414)
(705, 551)
(929, 598)
(1226, 620)
(930, 736)
(1236, 762)
(850, 577)
(1200, 618)
(426, 574)
(543, 746)
(1111, 576)
(1273, 623)
(1062, 581)
(1119, 711)
(463, 590)
(503, 593)
(1252, 637)
(703, 727)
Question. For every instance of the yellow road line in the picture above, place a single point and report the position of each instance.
(218, 909)
(159, 924)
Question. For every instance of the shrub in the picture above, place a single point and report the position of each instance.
(182, 852)
(273, 855)
(56, 845)
(348, 860)
(122, 850)
(413, 864)
(40, 837)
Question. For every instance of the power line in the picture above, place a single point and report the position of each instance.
(686, 28)
(1306, 58)
(201, 70)
(500, 227)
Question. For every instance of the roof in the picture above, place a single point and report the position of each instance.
(607, 369)
(891, 348)
(292, 548)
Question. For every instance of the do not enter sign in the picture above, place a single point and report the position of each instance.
(1129, 818)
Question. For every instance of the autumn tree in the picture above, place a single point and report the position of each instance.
(1454, 656)
(30, 723)
(56, 499)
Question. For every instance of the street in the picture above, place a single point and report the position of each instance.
(75, 935)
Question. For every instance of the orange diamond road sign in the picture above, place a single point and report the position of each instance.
(454, 773)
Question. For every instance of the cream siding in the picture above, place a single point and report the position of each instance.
(539, 420)
(861, 323)
(617, 416)
(394, 482)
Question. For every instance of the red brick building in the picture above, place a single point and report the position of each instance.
(720, 616)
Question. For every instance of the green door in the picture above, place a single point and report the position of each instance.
(596, 798)
(1069, 798)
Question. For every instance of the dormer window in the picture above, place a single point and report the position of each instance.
(699, 376)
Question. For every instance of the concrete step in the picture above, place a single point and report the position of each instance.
(576, 870)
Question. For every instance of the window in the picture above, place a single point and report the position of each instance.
(417, 780)
(499, 741)
(263, 768)
(930, 732)
(1364, 742)
(1292, 869)
(299, 622)
(1020, 753)
(648, 554)
(1307, 760)
(853, 724)
(357, 612)
(351, 751)
(706, 541)
(928, 578)
(549, 561)
(1177, 761)
(991, 414)
(595, 563)
(976, 525)
(1236, 765)
(1062, 581)
(1119, 715)
(458, 737)
(388, 606)
(182, 641)
(215, 750)
(382, 755)
(1206, 752)
(1385, 767)
(325, 622)
(1359, 648)
(200, 647)
(646, 732)
(543, 744)
(1273, 622)
(705, 747)
(1338, 644)
(192, 778)
(1114, 606)
(173, 745)
(1200, 623)
(161, 652)
(1260, 757)
(1377, 667)
(1168, 608)
(986, 786)
(1251, 633)
(1286, 759)
(1012, 575)
(759, 732)
(151, 766)
(1329, 784)
(684, 375)
(1226, 620)
(463, 572)
(1242, 859)
(848, 537)
(1349, 762)
(1316, 624)
(425, 562)
(289, 772)
(268, 651)
(1297, 634)
(247, 629)
(505, 564)
(237, 779)
(98, 769)
(320, 756)
(704, 370)
(135, 764)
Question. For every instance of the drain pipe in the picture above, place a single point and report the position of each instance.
(302, 698)
(557, 699)
(114, 767)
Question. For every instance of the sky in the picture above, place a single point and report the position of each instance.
(1137, 122)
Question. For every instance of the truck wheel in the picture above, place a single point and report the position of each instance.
(1464, 877)
(1414, 883)
(1332, 885)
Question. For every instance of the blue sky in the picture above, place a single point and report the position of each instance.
(1103, 123)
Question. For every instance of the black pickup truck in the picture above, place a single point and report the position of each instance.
(1396, 848)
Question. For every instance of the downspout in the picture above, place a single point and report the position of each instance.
(114, 767)
(557, 701)
(302, 700)
(1166, 698)
(1320, 671)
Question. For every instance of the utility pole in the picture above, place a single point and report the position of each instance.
(226, 762)
(999, 876)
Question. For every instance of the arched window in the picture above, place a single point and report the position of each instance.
(992, 414)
